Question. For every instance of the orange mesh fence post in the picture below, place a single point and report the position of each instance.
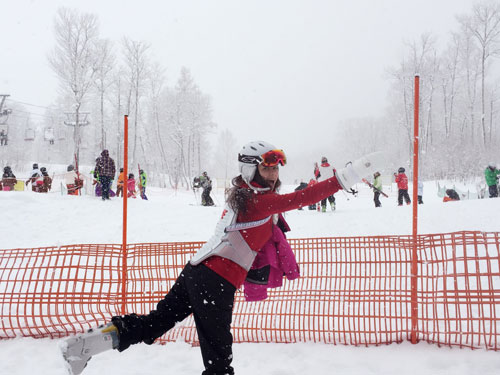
(124, 229)
(414, 266)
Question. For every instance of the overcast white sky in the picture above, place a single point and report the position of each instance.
(272, 68)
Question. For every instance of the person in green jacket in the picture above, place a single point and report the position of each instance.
(491, 174)
(377, 188)
(142, 183)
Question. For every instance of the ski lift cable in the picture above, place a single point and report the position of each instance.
(29, 113)
(33, 105)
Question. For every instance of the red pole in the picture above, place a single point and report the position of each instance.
(124, 194)
(414, 257)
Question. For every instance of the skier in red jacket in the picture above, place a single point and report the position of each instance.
(402, 182)
(207, 284)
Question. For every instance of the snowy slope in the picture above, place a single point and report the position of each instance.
(51, 219)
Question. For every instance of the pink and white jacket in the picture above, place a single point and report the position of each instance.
(278, 255)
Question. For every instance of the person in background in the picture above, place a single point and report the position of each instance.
(96, 180)
(131, 193)
(35, 179)
(206, 184)
(301, 186)
(8, 179)
(322, 172)
(207, 285)
(142, 184)
(71, 180)
(420, 192)
(377, 188)
(402, 182)
(46, 182)
(491, 175)
(451, 195)
(105, 169)
(120, 184)
(312, 182)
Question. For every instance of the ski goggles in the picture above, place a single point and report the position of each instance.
(268, 159)
(273, 158)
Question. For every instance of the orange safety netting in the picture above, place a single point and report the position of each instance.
(352, 290)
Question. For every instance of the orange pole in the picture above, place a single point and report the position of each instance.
(125, 194)
(414, 257)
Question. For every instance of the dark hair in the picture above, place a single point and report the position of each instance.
(130, 175)
(238, 196)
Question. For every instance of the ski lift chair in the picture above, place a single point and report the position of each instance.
(29, 134)
(49, 135)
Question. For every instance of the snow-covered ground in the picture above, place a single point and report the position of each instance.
(31, 220)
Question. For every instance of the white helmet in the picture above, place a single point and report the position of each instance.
(251, 155)
(492, 165)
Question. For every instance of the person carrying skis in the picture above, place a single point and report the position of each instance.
(120, 183)
(323, 172)
(377, 189)
(142, 184)
(35, 179)
(402, 182)
(206, 286)
(491, 175)
(105, 169)
(71, 180)
(8, 179)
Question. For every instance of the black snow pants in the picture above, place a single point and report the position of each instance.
(493, 190)
(198, 291)
(106, 185)
(206, 199)
(331, 199)
(376, 198)
(403, 193)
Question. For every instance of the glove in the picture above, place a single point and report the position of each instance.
(362, 167)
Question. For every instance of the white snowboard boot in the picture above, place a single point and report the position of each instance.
(78, 350)
(365, 166)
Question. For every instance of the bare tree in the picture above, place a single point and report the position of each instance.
(137, 65)
(189, 116)
(470, 67)
(226, 151)
(449, 71)
(157, 86)
(104, 66)
(484, 24)
(74, 59)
